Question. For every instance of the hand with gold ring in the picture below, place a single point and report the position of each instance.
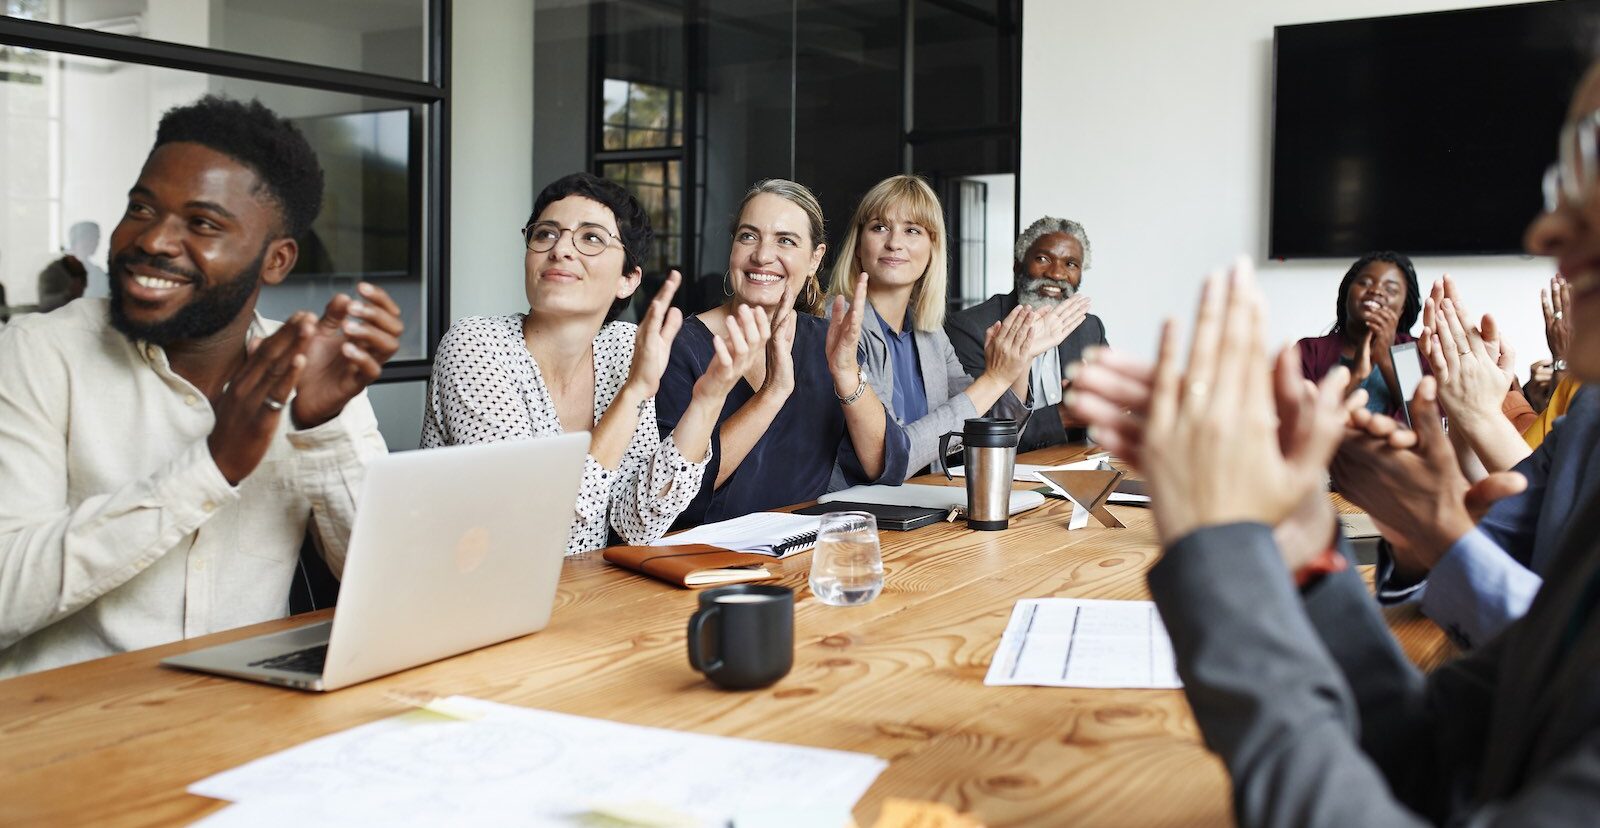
(249, 409)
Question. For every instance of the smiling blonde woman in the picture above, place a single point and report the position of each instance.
(781, 434)
(897, 241)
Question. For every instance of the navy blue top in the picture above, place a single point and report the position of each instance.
(1378, 401)
(910, 396)
(794, 460)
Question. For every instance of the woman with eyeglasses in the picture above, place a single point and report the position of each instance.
(804, 404)
(569, 365)
(896, 241)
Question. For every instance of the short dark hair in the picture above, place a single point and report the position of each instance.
(633, 223)
(256, 137)
(1413, 303)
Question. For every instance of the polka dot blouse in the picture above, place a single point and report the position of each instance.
(486, 387)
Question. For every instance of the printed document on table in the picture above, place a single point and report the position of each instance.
(1075, 642)
(518, 766)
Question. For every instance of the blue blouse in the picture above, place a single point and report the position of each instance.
(910, 397)
(793, 461)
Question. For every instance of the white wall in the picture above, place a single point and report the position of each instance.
(491, 154)
(1150, 122)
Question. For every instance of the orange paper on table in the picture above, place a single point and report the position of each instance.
(908, 813)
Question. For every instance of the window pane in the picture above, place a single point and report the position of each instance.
(643, 58)
(615, 107)
(961, 77)
(65, 184)
(844, 144)
(646, 180)
(384, 37)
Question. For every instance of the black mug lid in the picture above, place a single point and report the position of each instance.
(990, 427)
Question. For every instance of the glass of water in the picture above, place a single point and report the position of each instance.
(847, 566)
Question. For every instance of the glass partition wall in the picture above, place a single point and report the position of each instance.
(688, 102)
(83, 84)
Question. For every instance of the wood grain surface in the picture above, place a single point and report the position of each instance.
(116, 741)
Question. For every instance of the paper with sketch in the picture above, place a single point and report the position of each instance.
(1074, 642)
(532, 767)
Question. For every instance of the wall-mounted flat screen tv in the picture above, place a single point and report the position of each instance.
(1424, 133)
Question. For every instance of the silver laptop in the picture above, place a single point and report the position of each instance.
(452, 549)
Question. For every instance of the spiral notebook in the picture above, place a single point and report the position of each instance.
(778, 534)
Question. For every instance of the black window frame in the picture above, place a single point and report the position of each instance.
(433, 94)
(688, 130)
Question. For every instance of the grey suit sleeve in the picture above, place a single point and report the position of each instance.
(1268, 694)
(951, 414)
(925, 432)
(1420, 732)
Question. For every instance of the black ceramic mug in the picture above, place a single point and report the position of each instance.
(742, 637)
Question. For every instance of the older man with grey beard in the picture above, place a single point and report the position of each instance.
(1050, 258)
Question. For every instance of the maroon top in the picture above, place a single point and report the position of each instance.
(1319, 354)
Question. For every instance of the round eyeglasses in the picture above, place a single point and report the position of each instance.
(589, 239)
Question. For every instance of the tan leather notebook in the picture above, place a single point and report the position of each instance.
(691, 566)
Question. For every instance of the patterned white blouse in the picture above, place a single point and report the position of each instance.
(486, 387)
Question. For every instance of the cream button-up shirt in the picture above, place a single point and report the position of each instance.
(117, 531)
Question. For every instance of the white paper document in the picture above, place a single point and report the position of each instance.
(518, 766)
(1075, 642)
(779, 534)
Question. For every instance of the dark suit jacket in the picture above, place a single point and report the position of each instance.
(1323, 721)
(966, 330)
(1562, 473)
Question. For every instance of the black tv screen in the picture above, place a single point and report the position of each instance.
(1425, 133)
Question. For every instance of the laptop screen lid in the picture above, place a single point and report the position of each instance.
(453, 549)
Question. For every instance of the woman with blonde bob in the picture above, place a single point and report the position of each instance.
(896, 245)
(781, 434)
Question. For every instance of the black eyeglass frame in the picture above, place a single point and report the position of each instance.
(527, 238)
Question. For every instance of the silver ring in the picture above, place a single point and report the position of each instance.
(1559, 314)
(272, 404)
(1466, 353)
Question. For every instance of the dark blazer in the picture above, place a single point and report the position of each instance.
(1562, 473)
(1323, 721)
(966, 330)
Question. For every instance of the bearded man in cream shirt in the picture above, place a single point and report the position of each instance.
(162, 453)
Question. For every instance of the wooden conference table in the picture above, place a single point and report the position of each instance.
(116, 741)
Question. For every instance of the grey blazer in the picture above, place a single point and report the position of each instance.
(943, 379)
(1323, 721)
(966, 330)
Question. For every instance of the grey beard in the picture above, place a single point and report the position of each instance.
(1028, 292)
